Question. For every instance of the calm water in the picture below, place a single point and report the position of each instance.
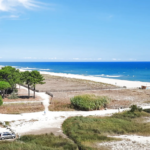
(134, 71)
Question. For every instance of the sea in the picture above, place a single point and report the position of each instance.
(132, 71)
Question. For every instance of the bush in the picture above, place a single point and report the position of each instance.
(89, 102)
(13, 96)
(135, 108)
(1, 101)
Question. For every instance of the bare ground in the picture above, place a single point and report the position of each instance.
(65, 88)
(23, 96)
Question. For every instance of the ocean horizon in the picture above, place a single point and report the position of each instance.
(132, 71)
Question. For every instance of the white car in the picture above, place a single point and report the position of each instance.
(7, 135)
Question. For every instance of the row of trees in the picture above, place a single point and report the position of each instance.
(10, 77)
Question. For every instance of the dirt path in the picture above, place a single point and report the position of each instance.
(40, 122)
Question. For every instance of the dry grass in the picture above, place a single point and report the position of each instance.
(147, 102)
(60, 106)
(120, 98)
(59, 84)
(115, 104)
(66, 105)
(21, 108)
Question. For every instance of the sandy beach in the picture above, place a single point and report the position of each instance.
(121, 83)
(116, 82)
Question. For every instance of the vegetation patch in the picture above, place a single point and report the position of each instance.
(89, 102)
(10, 77)
(7, 123)
(86, 131)
(21, 108)
(13, 95)
(40, 142)
(61, 106)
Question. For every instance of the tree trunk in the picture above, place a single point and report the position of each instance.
(6, 91)
(12, 89)
(34, 91)
(3, 93)
(28, 91)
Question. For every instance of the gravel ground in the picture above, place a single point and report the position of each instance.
(125, 145)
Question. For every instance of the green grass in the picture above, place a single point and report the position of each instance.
(39, 142)
(89, 102)
(86, 131)
(7, 123)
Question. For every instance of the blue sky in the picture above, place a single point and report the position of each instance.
(74, 30)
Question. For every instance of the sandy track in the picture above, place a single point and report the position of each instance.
(46, 122)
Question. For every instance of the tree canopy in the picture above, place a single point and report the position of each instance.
(3, 86)
(10, 75)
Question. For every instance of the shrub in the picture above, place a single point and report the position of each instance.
(13, 96)
(89, 102)
(135, 108)
(1, 101)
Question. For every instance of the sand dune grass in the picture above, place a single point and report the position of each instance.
(39, 142)
(87, 131)
(17, 108)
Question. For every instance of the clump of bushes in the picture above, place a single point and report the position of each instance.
(86, 131)
(13, 96)
(134, 112)
(135, 108)
(89, 102)
(1, 101)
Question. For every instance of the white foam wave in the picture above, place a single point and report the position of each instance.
(102, 75)
(28, 68)
(112, 76)
(45, 69)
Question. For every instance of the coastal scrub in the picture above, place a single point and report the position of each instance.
(87, 131)
(39, 142)
(89, 102)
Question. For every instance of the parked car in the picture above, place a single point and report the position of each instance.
(7, 135)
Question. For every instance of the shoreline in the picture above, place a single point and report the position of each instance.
(116, 82)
